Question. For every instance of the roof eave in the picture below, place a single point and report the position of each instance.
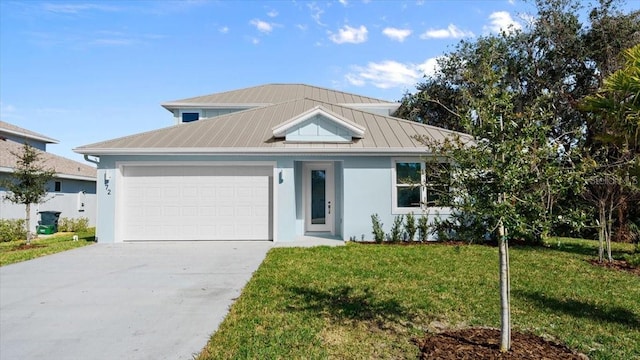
(253, 151)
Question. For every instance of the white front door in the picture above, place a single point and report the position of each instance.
(319, 204)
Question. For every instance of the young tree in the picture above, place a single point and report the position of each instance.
(27, 184)
(615, 121)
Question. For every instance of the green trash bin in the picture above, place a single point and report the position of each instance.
(48, 223)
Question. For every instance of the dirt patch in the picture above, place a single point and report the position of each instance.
(620, 265)
(27, 247)
(484, 344)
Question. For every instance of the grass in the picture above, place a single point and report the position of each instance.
(368, 301)
(16, 251)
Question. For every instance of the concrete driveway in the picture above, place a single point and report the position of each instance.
(122, 301)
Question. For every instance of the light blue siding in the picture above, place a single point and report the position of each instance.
(363, 186)
(320, 129)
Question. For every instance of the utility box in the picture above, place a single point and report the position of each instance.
(48, 223)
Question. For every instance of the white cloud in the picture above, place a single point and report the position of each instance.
(302, 27)
(343, 2)
(262, 26)
(396, 34)
(272, 13)
(75, 8)
(389, 74)
(316, 13)
(451, 31)
(7, 110)
(501, 21)
(224, 29)
(350, 35)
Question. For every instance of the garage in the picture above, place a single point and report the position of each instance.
(203, 202)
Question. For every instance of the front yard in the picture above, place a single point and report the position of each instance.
(368, 301)
(16, 251)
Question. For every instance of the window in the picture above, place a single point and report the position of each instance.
(190, 116)
(57, 186)
(418, 185)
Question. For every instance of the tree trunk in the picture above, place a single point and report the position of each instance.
(609, 231)
(505, 306)
(28, 222)
(601, 231)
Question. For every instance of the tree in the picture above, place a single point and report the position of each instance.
(615, 121)
(27, 184)
(554, 62)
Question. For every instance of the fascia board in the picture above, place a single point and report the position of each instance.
(30, 136)
(253, 151)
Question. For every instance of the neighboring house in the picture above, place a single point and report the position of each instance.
(272, 162)
(72, 191)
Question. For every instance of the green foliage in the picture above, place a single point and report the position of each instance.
(396, 229)
(423, 228)
(522, 87)
(17, 251)
(73, 225)
(11, 230)
(27, 183)
(378, 233)
(410, 226)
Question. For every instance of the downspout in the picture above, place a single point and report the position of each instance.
(86, 158)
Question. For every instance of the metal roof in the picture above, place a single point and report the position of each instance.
(251, 131)
(27, 134)
(274, 93)
(62, 166)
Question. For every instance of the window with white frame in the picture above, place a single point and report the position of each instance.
(418, 184)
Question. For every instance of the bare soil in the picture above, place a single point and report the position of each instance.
(620, 265)
(484, 344)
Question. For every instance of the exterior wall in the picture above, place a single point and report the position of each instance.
(363, 186)
(67, 201)
(318, 128)
(204, 113)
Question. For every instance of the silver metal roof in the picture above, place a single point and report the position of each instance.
(251, 131)
(274, 93)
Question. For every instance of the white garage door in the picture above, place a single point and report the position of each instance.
(196, 203)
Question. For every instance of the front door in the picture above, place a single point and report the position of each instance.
(319, 197)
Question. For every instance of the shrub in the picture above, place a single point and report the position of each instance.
(73, 225)
(410, 226)
(396, 229)
(11, 230)
(378, 233)
(423, 228)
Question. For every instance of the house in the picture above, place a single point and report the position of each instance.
(72, 191)
(272, 162)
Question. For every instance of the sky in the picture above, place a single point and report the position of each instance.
(87, 71)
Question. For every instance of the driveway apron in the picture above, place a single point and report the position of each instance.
(155, 300)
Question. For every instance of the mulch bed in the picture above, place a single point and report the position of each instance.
(27, 247)
(484, 343)
(620, 265)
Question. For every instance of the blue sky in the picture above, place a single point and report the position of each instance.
(84, 71)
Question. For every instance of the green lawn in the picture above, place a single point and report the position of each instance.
(368, 301)
(16, 251)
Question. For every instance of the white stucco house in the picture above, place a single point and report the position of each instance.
(272, 162)
(72, 191)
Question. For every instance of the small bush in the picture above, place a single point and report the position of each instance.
(633, 259)
(410, 226)
(423, 228)
(396, 229)
(73, 225)
(11, 230)
(378, 233)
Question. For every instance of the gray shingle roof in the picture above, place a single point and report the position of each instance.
(16, 130)
(250, 131)
(62, 166)
(275, 93)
